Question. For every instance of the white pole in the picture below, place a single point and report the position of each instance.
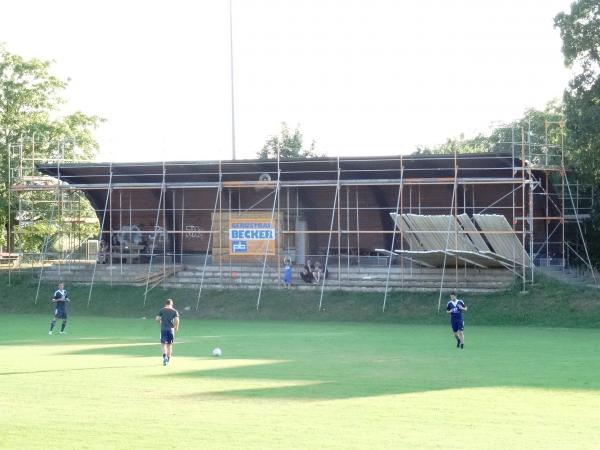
(448, 237)
(335, 201)
(101, 233)
(155, 234)
(232, 83)
(387, 279)
(276, 197)
(47, 239)
(212, 224)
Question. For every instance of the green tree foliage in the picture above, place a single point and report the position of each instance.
(477, 144)
(580, 33)
(31, 98)
(288, 144)
(534, 135)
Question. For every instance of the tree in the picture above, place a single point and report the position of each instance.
(532, 128)
(288, 144)
(580, 33)
(478, 144)
(30, 102)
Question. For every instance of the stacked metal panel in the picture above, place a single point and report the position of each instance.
(472, 233)
(445, 239)
(502, 238)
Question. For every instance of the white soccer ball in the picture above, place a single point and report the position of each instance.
(217, 352)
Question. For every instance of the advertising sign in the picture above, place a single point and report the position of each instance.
(251, 237)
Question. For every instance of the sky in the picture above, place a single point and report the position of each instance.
(359, 77)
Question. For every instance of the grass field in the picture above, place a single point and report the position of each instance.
(296, 385)
(548, 303)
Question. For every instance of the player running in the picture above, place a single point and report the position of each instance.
(168, 318)
(60, 299)
(455, 308)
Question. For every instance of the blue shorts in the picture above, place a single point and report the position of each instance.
(458, 325)
(60, 314)
(166, 336)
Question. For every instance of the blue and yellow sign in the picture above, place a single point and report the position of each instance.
(252, 237)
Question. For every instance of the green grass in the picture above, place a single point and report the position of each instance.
(349, 376)
(295, 385)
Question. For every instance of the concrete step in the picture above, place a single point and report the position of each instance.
(328, 288)
(343, 270)
(248, 277)
(572, 277)
(343, 277)
(351, 281)
(255, 270)
(495, 284)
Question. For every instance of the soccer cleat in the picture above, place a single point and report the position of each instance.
(165, 361)
(50, 332)
(63, 332)
(462, 345)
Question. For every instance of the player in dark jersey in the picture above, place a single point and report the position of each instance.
(455, 308)
(168, 318)
(60, 299)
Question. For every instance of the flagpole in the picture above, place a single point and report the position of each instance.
(232, 89)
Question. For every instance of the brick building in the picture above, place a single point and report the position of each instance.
(314, 207)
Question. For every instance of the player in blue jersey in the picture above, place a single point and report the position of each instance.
(60, 300)
(455, 308)
(168, 318)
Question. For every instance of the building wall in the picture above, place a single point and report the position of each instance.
(360, 213)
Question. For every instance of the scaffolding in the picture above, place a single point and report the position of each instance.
(163, 216)
(52, 221)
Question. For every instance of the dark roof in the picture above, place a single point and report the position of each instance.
(351, 168)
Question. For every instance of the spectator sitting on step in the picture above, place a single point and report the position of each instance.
(309, 267)
(306, 275)
(318, 272)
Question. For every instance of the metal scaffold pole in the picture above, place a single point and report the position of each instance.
(333, 209)
(398, 210)
(210, 235)
(530, 225)
(523, 230)
(562, 187)
(220, 224)
(448, 238)
(100, 235)
(155, 235)
(275, 200)
(454, 214)
(587, 254)
(10, 237)
(47, 238)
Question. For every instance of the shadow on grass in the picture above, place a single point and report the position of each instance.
(365, 365)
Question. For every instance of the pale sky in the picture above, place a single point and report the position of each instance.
(360, 77)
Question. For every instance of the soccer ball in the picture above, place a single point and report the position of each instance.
(216, 352)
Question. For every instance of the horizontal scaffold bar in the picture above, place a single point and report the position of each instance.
(288, 184)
